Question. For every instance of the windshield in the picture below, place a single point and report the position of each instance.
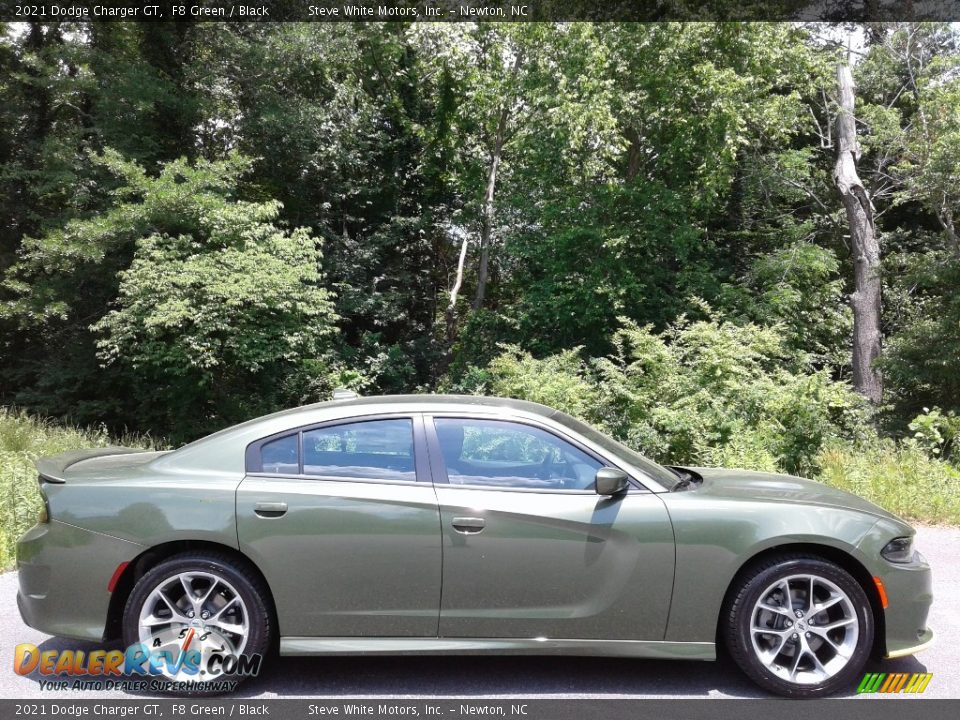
(667, 478)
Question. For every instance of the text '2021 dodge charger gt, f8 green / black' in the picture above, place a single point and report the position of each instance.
(448, 524)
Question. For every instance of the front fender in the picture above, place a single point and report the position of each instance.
(716, 538)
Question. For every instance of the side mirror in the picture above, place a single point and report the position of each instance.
(611, 481)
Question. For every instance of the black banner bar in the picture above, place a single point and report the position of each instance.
(477, 10)
(457, 708)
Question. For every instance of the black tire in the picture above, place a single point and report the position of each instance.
(239, 575)
(738, 615)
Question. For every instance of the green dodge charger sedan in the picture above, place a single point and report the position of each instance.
(448, 524)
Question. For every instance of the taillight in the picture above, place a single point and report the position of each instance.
(44, 515)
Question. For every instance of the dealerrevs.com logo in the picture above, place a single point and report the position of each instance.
(894, 682)
(138, 668)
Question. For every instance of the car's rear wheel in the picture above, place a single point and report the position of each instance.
(197, 614)
(799, 626)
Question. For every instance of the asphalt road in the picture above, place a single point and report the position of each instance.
(529, 677)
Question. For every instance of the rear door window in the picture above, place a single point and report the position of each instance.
(374, 450)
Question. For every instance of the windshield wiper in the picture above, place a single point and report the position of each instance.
(686, 479)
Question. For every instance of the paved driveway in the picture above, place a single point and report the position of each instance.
(525, 676)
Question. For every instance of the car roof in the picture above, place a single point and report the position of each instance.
(412, 403)
(441, 401)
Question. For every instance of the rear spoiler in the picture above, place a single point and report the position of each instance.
(54, 467)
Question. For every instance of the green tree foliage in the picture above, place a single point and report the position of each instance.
(798, 286)
(923, 352)
(217, 312)
(156, 280)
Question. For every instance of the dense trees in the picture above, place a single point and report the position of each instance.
(200, 222)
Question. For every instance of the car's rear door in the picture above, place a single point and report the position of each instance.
(530, 550)
(342, 519)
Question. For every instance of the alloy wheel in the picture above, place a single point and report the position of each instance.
(804, 629)
(193, 611)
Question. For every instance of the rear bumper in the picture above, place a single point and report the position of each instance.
(63, 576)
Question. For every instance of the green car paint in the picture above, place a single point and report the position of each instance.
(381, 565)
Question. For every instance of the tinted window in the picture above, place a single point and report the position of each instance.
(667, 478)
(377, 449)
(506, 454)
(280, 456)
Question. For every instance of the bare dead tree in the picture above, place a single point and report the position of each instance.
(866, 298)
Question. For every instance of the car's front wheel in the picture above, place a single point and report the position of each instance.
(799, 626)
(195, 616)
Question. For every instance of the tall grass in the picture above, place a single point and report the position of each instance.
(899, 477)
(23, 439)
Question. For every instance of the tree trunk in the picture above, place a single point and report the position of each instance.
(451, 313)
(864, 247)
(42, 119)
(486, 227)
(945, 216)
(487, 214)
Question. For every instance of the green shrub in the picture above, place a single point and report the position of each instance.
(936, 433)
(560, 381)
(699, 393)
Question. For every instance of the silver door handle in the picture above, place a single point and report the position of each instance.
(270, 509)
(468, 525)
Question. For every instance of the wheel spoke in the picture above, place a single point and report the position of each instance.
(230, 627)
(188, 589)
(798, 656)
(828, 604)
(152, 621)
(771, 654)
(221, 611)
(835, 625)
(207, 594)
(177, 613)
(818, 666)
(785, 584)
(776, 609)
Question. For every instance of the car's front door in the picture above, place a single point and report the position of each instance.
(530, 550)
(342, 519)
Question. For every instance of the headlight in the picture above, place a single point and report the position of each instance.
(898, 550)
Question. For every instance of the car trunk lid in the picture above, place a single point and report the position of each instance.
(91, 462)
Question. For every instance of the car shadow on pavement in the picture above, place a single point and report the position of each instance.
(476, 676)
(466, 676)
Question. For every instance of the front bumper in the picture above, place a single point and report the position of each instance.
(63, 575)
(909, 590)
(928, 637)
(910, 593)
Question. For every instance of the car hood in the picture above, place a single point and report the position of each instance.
(750, 485)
